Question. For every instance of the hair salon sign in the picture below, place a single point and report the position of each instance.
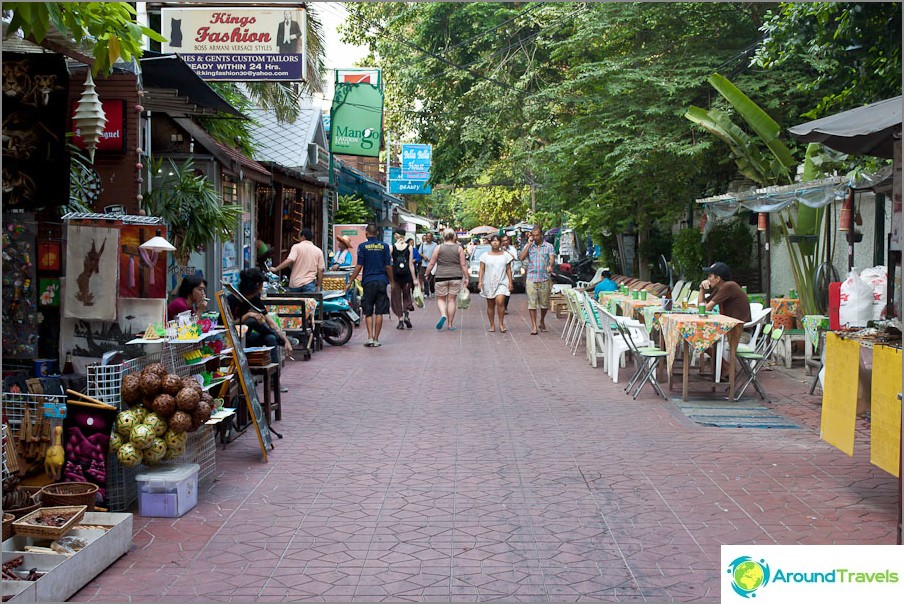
(237, 44)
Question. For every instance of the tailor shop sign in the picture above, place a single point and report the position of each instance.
(238, 44)
(356, 120)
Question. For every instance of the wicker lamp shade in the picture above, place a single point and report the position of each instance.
(90, 119)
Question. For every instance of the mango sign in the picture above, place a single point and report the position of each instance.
(238, 44)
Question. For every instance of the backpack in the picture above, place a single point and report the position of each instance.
(400, 258)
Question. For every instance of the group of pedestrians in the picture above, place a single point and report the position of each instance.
(441, 270)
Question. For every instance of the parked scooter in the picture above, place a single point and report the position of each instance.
(339, 319)
(274, 283)
(570, 274)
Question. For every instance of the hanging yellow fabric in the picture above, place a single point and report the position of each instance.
(885, 413)
(839, 397)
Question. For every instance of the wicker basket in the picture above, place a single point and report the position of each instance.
(23, 526)
(69, 493)
(8, 525)
(34, 499)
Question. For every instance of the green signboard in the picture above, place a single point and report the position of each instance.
(356, 119)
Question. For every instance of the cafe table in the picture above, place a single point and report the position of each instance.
(611, 300)
(699, 332)
(634, 308)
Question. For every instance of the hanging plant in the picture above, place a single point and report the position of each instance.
(190, 205)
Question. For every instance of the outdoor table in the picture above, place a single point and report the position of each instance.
(785, 311)
(610, 301)
(699, 332)
(651, 315)
(634, 308)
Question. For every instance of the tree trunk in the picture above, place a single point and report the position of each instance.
(643, 264)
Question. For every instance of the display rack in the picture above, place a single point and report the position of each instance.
(105, 384)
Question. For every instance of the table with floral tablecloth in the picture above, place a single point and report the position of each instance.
(633, 308)
(699, 332)
(813, 324)
(651, 315)
(785, 311)
(611, 300)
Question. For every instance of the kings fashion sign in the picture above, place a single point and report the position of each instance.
(356, 120)
(238, 44)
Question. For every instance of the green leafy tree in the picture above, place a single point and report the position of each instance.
(352, 210)
(107, 30)
(852, 50)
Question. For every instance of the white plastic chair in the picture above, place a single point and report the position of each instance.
(677, 289)
(756, 322)
(597, 332)
(618, 347)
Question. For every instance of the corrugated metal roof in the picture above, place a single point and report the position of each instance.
(287, 143)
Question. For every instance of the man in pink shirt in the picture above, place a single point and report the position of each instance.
(306, 260)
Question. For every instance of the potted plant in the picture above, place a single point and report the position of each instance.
(189, 204)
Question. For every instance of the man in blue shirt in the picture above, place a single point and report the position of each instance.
(375, 262)
(606, 285)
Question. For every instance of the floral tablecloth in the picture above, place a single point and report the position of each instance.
(611, 300)
(812, 325)
(651, 315)
(293, 317)
(785, 311)
(633, 308)
(700, 331)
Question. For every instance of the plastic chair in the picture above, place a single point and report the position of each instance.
(753, 362)
(755, 308)
(597, 332)
(572, 315)
(677, 289)
(646, 359)
(758, 322)
(618, 347)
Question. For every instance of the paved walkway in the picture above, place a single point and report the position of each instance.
(472, 466)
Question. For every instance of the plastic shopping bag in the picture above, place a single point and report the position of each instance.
(877, 278)
(418, 297)
(464, 298)
(856, 301)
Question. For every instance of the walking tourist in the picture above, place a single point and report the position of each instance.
(451, 275)
(306, 260)
(511, 250)
(191, 295)
(495, 281)
(375, 266)
(717, 289)
(404, 279)
(541, 257)
(426, 249)
(418, 259)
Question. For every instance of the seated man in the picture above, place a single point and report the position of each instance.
(717, 289)
(606, 285)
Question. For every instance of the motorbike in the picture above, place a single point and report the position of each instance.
(570, 274)
(339, 319)
(274, 283)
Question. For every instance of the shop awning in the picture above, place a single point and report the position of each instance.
(173, 87)
(234, 161)
(867, 130)
(406, 216)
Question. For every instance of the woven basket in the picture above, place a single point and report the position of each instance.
(24, 526)
(69, 493)
(8, 525)
(34, 499)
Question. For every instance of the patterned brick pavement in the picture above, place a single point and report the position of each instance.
(471, 466)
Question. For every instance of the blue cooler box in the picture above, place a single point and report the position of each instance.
(168, 491)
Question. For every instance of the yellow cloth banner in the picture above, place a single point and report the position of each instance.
(839, 397)
(885, 414)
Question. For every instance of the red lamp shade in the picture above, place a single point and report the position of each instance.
(762, 221)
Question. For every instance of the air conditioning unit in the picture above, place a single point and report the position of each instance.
(313, 155)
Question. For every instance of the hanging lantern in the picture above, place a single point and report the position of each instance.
(762, 221)
(847, 207)
(703, 223)
(89, 118)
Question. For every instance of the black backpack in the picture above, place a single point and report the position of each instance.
(400, 258)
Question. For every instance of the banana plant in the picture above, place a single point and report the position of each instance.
(767, 161)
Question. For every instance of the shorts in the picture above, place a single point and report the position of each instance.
(447, 288)
(375, 301)
(538, 294)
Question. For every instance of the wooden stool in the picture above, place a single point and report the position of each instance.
(270, 373)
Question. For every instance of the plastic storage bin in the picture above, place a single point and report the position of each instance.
(168, 491)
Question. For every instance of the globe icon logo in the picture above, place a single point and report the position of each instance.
(748, 575)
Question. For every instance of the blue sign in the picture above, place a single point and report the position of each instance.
(400, 185)
(416, 161)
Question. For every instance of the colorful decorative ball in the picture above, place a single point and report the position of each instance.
(156, 423)
(142, 436)
(141, 412)
(128, 455)
(174, 439)
(125, 421)
(174, 452)
(115, 442)
(149, 457)
(155, 452)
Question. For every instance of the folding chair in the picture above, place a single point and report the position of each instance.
(759, 323)
(753, 362)
(645, 358)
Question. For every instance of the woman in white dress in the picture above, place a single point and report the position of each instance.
(495, 281)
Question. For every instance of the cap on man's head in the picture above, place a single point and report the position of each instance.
(719, 269)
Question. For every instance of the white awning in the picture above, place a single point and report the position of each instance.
(414, 218)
